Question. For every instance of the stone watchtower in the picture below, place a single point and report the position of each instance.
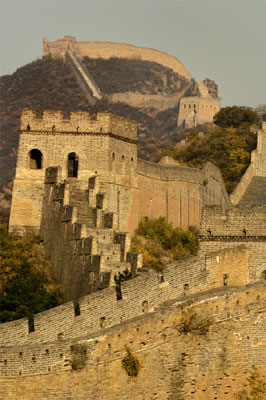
(104, 146)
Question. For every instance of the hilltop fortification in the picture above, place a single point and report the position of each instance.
(204, 103)
(108, 49)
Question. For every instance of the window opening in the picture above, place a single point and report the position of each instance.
(113, 162)
(145, 306)
(264, 275)
(35, 159)
(72, 165)
(225, 279)
(123, 165)
(132, 166)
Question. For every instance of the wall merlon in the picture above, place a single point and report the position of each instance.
(54, 122)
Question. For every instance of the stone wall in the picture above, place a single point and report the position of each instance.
(107, 50)
(174, 366)
(252, 187)
(197, 110)
(177, 279)
(93, 142)
(237, 225)
(179, 193)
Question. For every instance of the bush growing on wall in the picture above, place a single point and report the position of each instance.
(131, 363)
(257, 388)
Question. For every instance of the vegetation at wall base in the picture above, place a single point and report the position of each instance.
(26, 284)
(161, 243)
(228, 148)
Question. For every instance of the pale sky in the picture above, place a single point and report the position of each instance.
(224, 40)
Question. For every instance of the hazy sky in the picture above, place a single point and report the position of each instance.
(224, 40)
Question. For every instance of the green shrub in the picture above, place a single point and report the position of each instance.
(257, 388)
(131, 363)
(161, 243)
(192, 322)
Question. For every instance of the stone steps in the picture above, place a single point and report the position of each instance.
(255, 193)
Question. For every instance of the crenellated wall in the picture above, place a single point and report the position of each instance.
(102, 307)
(173, 365)
(237, 225)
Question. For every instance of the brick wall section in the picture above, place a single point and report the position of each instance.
(179, 193)
(198, 273)
(174, 366)
(238, 225)
(252, 187)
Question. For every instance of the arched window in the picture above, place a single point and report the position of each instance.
(72, 165)
(263, 275)
(189, 106)
(35, 159)
(184, 106)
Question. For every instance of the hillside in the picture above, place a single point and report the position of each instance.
(49, 84)
(122, 75)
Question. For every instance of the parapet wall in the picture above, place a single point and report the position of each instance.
(147, 291)
(107, 50)
(179, 193)
(252, 187)
(237, 225)
(78, 122)
(173, 365)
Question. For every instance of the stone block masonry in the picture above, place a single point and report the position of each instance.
(173, 365)
(150, 289)
(238, 225)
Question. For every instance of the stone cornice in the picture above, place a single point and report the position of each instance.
(232, 238)
(79, 133)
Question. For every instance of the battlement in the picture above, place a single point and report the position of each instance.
(79, 122)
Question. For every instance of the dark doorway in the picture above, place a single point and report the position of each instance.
(72, 165)
(35, 159)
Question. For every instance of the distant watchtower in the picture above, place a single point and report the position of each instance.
(104, 146)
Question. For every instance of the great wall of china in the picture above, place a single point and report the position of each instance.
(192, 110)
(226, 280)
(80, 184)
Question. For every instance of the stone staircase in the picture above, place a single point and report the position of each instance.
(255, 193)
(84, 79)
(100, 226)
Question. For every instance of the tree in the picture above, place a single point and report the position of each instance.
(235, 117)
(26, 285)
